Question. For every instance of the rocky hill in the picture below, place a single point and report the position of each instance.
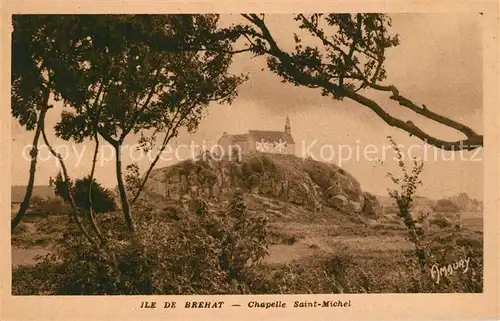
(458, 203)
(303, 182)
(466, 203)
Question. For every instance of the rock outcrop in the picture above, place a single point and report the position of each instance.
(372, 206)
(306, 183)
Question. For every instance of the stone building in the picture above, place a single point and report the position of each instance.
(265, 141)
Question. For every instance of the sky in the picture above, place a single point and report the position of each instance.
(438, 63)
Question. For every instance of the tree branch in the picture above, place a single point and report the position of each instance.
(424, 111)
(138, 111)
(168, 136)
(472, 141)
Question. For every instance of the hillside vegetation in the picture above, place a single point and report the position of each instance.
(267, 224)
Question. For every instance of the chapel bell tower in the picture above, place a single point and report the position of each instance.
(288, 128)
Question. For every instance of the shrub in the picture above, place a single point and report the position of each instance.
(346, 273)
(442, 222)
(132, 179)
(50, 206)
(291, 240)
(207, 176)
(334, 274)
(186, 167)
(61, 188)
(102, 199)
(201, 254)
(187, 261)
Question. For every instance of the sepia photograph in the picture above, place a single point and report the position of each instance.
(247, 154)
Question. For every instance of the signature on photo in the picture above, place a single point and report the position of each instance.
(447, 270)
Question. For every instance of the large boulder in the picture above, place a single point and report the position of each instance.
(336, 184)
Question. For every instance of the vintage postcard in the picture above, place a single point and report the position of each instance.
(249, 160)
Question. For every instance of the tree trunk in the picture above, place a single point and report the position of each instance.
(70, 195)
(123, 194)
(34, 155)
(93, 221)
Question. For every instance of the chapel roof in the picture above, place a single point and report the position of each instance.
(271, 136)
(239, 137)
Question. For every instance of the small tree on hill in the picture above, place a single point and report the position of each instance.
(404, 197)
(247, 242)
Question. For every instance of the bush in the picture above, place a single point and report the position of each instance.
(50, 206)
(346, 273)
(102, 199)
(333, 274)
(201, 254)
(442, 222)
(188, 261)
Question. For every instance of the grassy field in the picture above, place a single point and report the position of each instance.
(301, 242)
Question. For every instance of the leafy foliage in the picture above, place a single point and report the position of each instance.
(193, 268)
(144, 72)
(31, 68)
(132, 178)
(203, 253)
(61, 188)
(102, 201)
(155, 74)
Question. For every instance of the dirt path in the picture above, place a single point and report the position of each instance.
(310, 247)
